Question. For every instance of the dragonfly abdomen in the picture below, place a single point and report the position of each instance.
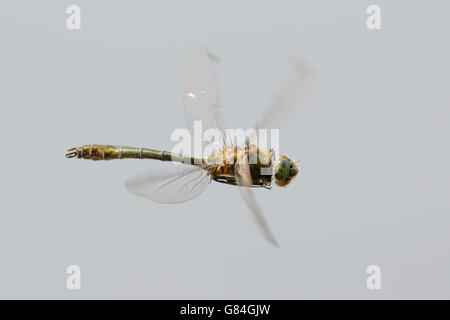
(109, 152)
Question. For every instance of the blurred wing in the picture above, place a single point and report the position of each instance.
(253, 205)
(294, 91)
(201, 95)
(176, 184)
(244, 180)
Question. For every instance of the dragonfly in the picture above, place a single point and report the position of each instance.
(229, 165)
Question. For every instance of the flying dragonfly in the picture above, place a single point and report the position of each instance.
(229, 165)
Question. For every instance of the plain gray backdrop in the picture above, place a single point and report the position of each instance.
(374, 181)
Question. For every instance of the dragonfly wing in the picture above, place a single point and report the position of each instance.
(253, 205)
(295, 89)
(244, 181)
(201, 95)
(176, 184)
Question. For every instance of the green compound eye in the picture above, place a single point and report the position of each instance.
(284, 169)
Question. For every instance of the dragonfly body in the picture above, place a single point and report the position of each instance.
(243, 166)
(220, 166)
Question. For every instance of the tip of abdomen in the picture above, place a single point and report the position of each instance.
(72, 153)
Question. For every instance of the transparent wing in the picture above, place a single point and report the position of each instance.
(201, 96)
(295, 90)
(244, 181)
(202, 102)
(176, 184)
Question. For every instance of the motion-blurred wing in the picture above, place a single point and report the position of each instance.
(283, 104)
(201, 95)
(176, 184)
(244, 180)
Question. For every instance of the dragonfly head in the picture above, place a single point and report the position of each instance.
(286, 170)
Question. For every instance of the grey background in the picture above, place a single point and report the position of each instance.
(374, 180)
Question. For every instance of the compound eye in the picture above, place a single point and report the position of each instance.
(284, 162)
(283, 170)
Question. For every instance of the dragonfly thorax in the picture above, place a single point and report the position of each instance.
(226, 162)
